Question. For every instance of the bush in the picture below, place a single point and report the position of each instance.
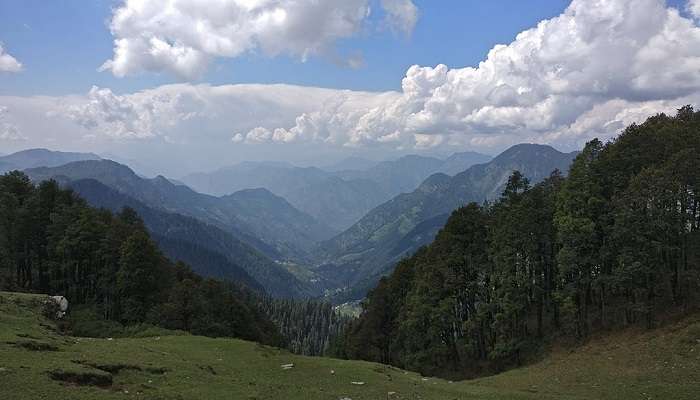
(85, 322)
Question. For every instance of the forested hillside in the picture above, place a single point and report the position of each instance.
(616, 243)
(310, 327)
(211, 251)
(277, 229)
(52, 242)
(358, 257)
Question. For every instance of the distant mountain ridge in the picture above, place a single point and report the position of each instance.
(335, 196)
(459, 162)
(277, 230)
(398, 176)
(361, 254)
(350, 163)
(210, 251)
(33, 158)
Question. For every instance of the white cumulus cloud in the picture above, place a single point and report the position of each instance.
(598, 58)
(589, 72)
(172, 110)
(8, 63)
(136, 116)
(184, 36)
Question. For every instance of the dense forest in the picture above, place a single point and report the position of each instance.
(615, 243)
(111, 270)
(309, 327)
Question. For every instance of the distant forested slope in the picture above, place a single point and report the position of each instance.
(616, 243)
(210, 251)
(358, 257)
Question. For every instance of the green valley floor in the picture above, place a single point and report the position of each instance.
(37, 363)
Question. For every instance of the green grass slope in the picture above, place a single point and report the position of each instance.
(38, 363)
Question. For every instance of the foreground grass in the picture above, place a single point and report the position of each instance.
(37, 363)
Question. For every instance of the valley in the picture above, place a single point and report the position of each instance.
(350, 200)
(274, 241)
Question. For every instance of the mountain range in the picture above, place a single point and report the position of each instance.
(292, 231)
(335, 196)
(33, 158)
(359, 256)
(210, 251)
(268, 222)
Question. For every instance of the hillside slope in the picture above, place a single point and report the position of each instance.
(273, 227)
(38, 363)
(360, 255)
(212, 252)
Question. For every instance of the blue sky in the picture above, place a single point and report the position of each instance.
(177, 91)
(62, 43)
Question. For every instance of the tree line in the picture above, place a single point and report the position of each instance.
(111, 270)
(615, 243)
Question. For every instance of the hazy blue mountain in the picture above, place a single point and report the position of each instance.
(263, 212)
(460, 162)
(335, 202)
(279, 178)
(398, 227)
(138, 166)
(273, 227)
(353, 163)
(398, 176)
(337, 195)
(210, 251)
(33, 158)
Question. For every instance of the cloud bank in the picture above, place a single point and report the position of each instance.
(184, 36)
(8, 63)
(598, 66)
(589, 72)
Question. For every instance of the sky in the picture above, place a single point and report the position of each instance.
(189, 85)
